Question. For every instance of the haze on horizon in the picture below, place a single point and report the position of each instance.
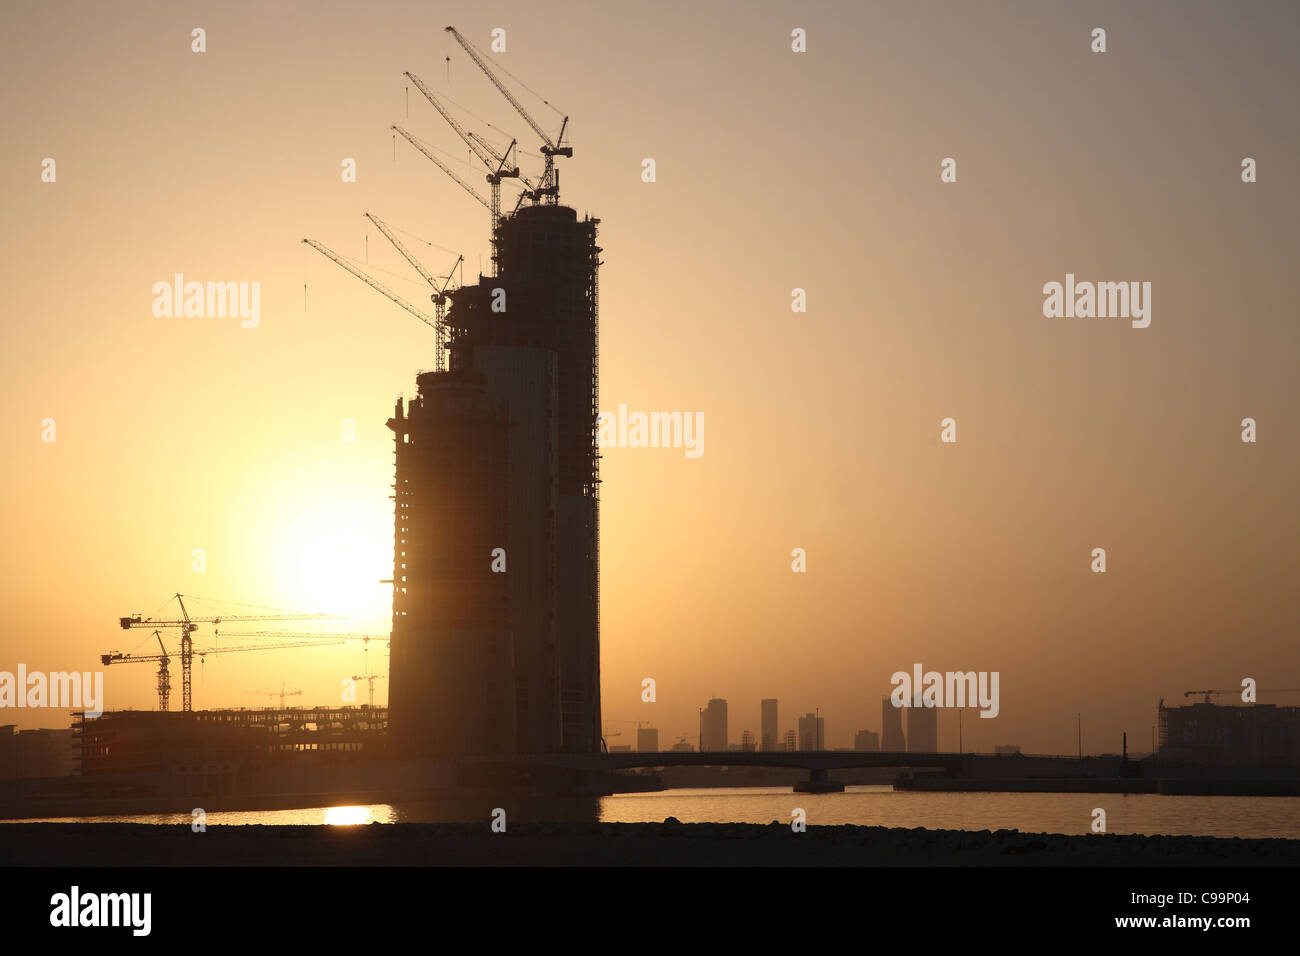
(775, 171)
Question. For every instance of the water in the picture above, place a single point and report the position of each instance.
(1245, 817)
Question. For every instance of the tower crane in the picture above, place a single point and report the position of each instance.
(323, 639)
(439, 296)
(1237, 690)
(187, 626)
(419, 144)
(384, 290)
(164, 675)
(370, 679)
(550, 185)
(107, 659)
(530, 188)
(281, 693)
(387, 230)
(497, 164)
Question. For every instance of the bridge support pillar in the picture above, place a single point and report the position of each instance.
(818, 782)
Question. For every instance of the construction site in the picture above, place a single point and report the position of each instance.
(494, 643)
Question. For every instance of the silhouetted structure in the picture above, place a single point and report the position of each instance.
(1253, 734)
(451, 670)
(713, 731)
(527, 338)
(922, 728)
(866, 741)
(812, 732)
(891, 727)
(154, 753)
(36, 753)
(769, 733)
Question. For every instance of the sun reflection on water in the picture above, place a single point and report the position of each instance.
(347, 816)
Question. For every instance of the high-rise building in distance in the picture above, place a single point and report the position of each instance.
(922, 729)
(769, 734)
(713, 733)
(891, 727)
(647, 739)
(812, 732)
(866, 740)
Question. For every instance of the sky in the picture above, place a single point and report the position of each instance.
(775, 171)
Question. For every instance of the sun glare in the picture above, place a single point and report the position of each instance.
(347, 816)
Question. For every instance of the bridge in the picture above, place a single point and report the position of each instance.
(818, 763)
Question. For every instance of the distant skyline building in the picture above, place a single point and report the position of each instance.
(747, 741)
(771, 739)
(713, 731)
(647, 739)
(922, 729)
(891, 727)
(791, 741)
(812, 732)
(866, 740)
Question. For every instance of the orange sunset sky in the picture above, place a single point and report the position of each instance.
(775, 171)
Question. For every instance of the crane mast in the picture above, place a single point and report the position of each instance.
(530, 189)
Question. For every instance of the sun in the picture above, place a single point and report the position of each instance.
(332, 558)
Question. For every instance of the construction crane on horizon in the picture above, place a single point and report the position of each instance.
(439, 284)
(1237, 690)
(370, 679)
(530, 188)
(201, 653)
(323, 638)
(550, 184)
(497, 164)
(281, 693)
(187, 626)
(164, 675)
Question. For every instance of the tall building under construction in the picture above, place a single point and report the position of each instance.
(495, 640)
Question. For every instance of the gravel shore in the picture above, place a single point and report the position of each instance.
(609, 844)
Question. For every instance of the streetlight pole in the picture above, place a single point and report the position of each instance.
(1079, 720)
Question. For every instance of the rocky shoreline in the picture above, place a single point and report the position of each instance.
(611, 844)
